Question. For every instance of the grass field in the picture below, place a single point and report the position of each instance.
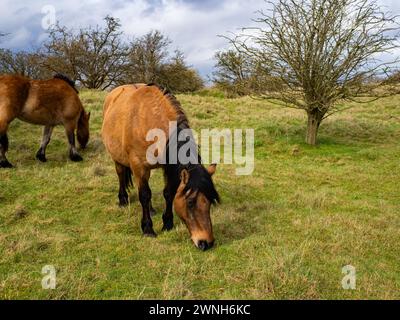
(284, 232)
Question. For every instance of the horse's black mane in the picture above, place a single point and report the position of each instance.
(182, 120)
(200, 179)
(67, 80)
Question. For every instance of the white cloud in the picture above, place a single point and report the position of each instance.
(193, 26)
(20, 36)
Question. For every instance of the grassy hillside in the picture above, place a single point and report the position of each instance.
(284, 232)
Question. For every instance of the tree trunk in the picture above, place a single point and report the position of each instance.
(314, 120)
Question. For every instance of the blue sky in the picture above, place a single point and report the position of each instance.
(192, 25)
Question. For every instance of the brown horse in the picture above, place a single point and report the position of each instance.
(43, 102)
(130, 112)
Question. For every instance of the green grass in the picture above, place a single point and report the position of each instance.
(284, 232)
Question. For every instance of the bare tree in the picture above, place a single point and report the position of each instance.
(322, 52)
(146, 57)
(233, 72)
(238, 74)
(178, 77)
(95, 57)
(232, 66)
(23, 63)
(151, 62)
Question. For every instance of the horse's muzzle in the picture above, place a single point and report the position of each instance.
(204, 245)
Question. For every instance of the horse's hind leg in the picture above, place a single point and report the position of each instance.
(73, 153)
(4, 146)
(41, 154)
(124, 182)
(142, 178)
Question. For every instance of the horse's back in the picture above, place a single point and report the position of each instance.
(52, 101)
(130, 113)
(42, 102)
(114, 94)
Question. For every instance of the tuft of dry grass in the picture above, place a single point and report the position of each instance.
(19, 213)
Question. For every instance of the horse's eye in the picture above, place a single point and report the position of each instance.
(191, 203)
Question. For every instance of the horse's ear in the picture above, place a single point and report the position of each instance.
(185, 177)
(184, 181)
(211, 169)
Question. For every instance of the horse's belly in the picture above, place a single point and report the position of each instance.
(38, 116)
(113, 145)
(116, 152)
(37, 121)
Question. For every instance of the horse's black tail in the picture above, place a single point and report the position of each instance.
(128, 178)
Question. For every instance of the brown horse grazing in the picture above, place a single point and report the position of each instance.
(130, 112)
(43, 102)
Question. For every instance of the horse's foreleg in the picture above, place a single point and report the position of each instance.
(41, 154)
(145, 200)
(168, 216)
(73, 153)
(4, 146)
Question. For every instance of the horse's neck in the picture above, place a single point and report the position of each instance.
(173, 170)
(173, 173)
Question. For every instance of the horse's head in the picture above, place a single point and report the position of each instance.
(192, 203)
(83, 129)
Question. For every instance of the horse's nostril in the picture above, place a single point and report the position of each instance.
(204, 245)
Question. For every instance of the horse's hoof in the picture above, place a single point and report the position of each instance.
(123, 204)
(168, 227)
(76, 158)
(150, 234)
(41, 157)
(5, 164)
